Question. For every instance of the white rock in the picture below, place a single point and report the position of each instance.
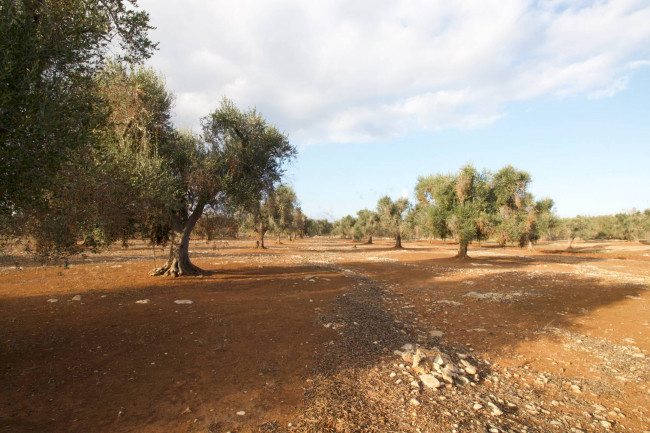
(436, 333)
(477, 406)
(143, 301)
(470, 369)
(52, 300)
(241, 413)
(418, 357)
(430, 381)
(183, 301)
(606, 424)
(415, 402)
(76, 298)
(495, 410)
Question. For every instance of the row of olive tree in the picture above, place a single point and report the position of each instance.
(633, 225)
(468, 205)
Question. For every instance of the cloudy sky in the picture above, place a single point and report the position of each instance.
(375, 93)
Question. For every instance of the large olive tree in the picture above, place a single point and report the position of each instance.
(238, 156)
(462, 201)
(50, 54)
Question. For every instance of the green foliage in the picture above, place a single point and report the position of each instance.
(320, 227)
(219, 223)
(392, 216)
(629, 226)
(299, 222)
(282, 205)
(251, 151)
(345, 227)
(51, 52)
(366, 224)
(472, 205)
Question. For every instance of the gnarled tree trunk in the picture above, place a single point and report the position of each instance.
(398, 240)
(259, 233)
(369, 239)
(179, 263)
(462, 250)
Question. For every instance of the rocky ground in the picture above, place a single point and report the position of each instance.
(395, 341)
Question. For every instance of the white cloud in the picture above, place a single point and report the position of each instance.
(359, 70)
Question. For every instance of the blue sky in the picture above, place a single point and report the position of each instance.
(591, 156)
(376, 93)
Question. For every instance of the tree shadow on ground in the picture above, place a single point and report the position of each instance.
(128, 366)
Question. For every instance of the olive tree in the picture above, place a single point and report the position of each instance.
(238, 156)
(459, 204)
(282, 211)
(49, 107)
(392, 215)
(366, 224)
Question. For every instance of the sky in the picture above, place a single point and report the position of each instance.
(376, 93)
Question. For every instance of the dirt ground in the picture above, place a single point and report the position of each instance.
(309, 336)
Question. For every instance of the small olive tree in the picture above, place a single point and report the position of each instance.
(392, 215)
(366, 224)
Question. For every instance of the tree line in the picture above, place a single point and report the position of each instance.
(633, 225)
(468, 205)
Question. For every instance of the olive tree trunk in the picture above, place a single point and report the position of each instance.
(369, 239)
(462, 250)
(398, 240)
(179, 263)
(259, 233)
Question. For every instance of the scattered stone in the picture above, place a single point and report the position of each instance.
(448, 302)
(495, 409)
(52, 300)
(477, 406)
(469, 368)
(183, 301)
(436, 333)
(241, 413)
(143, 301)
(76, 298)
(606, 424)
(415, 402)
(430, 381)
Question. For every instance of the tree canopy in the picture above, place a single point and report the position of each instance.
(51, 52)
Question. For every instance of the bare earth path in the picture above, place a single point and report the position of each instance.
(310, 336)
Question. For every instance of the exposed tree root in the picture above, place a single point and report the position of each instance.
(176, 268)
